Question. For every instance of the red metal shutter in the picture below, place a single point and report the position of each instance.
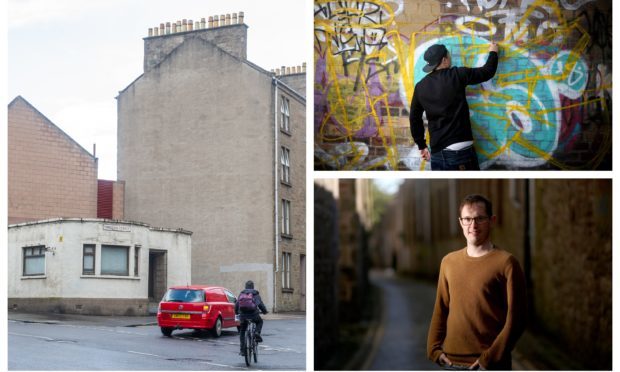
(105, 198)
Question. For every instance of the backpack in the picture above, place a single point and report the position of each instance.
(246, 302)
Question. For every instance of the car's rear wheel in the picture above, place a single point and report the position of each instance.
(166, 331)
(217, 328)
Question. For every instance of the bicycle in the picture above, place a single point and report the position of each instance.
(251, 346)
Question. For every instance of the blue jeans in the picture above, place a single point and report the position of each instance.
(464, 159)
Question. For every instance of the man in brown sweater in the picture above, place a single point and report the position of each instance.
(480, 309)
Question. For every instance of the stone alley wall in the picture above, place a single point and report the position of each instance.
(548, 106)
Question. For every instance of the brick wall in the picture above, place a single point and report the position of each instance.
(49, 174)
(549, 105)
(572, 266)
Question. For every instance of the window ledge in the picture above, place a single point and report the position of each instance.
(33, 277)
(109, 277)
(287, 132)
(286, 236)
(286, 183)
(288, 290)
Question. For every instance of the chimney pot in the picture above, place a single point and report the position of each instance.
(277, 71)
(288, 70)
(178, 26)
(156, 31)
(234, 19)
(240, 17)
(190, 25)
(222, 20)
(184, 25)
(202, 23)
(216, 21)
(150, 32)
(283, 70)
(227, 19)
(168, 30)
(303, 67)
(210, 21)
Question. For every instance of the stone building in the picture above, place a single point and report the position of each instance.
(559, 230)
(68, 248)
(93, 266)
(211, 142)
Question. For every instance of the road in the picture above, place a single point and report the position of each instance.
(407, 311)
(90, 346)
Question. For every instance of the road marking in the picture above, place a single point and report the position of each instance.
(33, 336)
(137, 352)
(224, 365)
(199, 361)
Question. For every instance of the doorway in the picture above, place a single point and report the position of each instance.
(158, 272)
(302, 286)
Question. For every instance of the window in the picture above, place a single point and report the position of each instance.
(286, 217)
(286, 270)
(136, 260)
(284, 115)
(230, 297)
(88, 259)
(34, 260)
(286, 165)
(114, 260)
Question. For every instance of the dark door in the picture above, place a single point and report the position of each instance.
(157, 275)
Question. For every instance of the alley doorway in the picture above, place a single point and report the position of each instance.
(157, 278)
(302, 286)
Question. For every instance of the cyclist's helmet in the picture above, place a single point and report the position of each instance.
(249, 284)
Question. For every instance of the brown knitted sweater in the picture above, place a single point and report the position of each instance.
(480, 309)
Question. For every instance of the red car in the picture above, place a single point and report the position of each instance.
(198, 307)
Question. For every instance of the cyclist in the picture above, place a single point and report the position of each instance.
(247, 307)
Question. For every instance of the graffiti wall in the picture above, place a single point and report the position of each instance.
(548, 106)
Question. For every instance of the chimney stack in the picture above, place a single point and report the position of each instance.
(157, 47)
(189, 25)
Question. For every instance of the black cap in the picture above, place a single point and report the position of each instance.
(249, 284)
(433, 56)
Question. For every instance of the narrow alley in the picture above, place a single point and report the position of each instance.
(407, 308)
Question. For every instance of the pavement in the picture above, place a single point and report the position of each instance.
(114, 321)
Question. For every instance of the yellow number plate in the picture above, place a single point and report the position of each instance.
(180, 316)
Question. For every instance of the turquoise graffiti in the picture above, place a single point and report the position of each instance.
(514, 115)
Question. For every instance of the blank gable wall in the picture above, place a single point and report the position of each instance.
(50, 175)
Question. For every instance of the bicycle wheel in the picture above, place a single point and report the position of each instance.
(248, 346)
(255, 349)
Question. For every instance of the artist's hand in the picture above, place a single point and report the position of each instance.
(443, 359)
(425, 154)
(493, 48)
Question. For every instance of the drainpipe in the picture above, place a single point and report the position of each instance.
(277, 203)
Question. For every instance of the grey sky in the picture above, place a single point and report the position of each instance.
(70, 58)
(388, 185)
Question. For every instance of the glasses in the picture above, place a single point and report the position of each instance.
(479, 220)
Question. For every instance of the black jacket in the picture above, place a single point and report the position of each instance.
(442, 95)
(259, 305)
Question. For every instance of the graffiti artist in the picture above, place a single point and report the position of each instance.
(480, 309)
(441, 94)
